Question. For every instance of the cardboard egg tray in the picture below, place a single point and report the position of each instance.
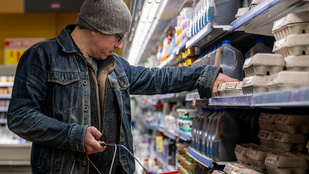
(256, 156)
(286, 80)
(284, 163)
(263, 63)
(266, 138)
(292, 45)
(267, 121)
(289, 138)
(292, 123)
(289, 147)
(241, 152)
(237, 168)
(284, 31)
(297, 63)
(293, 23)
(255, 84)
(230, 88)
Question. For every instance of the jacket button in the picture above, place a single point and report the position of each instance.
(78, 58)
(85, 108)
(84, 163)
(85, 82)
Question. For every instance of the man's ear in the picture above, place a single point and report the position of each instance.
(93, 33)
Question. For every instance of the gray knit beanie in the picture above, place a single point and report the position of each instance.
(105, 16)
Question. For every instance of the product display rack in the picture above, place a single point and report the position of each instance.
(258, 20)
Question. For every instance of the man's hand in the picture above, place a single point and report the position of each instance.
(221, 78)
(91, 144)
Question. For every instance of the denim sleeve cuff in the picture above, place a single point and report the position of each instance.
(206, 81)
(77, 138)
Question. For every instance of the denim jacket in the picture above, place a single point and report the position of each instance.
(51, 98)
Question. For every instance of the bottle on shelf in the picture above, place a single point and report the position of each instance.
(259, 47)
(222, 12)
(230, 59)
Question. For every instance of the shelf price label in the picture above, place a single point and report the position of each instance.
(15, 48)
(159, 142)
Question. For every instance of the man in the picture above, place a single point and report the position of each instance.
(72, 92)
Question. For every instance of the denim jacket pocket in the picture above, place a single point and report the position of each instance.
(65, 90)
(123, 82)
(62, 78)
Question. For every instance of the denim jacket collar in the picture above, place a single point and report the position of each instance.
(62, 39)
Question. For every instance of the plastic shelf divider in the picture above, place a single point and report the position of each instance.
(202, 159)
(252, 13)
(201, 34)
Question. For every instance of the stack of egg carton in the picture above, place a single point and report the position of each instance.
(267, 129)
(292, 42)
(257, 69)
(287, 134)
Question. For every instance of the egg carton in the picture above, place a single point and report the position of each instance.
(286, 80)
(275, 170)
(217, 172)
(256, 156)
(241, 152)
(241, 11)
(245, 171)
(289, 147)
(285, 160)
(289, 138)
(284, 163)
(255, 84)
(293, 23)
(229, 167)
(292, 123)
(221, 88)
(286, 128)
(233, 88)
(297, 63)
(267, 121)
(230, 88)
(266, 138)
(295, 45)
(299, 28)
(263, 63)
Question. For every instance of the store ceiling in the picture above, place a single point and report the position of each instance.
(171, 10)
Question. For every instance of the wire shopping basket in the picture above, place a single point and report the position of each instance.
(145, 170)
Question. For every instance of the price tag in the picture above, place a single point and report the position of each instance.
(159, 142)
(194, 100)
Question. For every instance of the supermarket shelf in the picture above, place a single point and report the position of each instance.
(171, 60)
(167, 133)
(259, 20)
(287, 98)
(193, 96)
(212, 32)
(5, 96)
(165, 166)
(3, 121)
(14, 163)
(181, 45)
(3, 109)
(202, 159)
(6, 84)
(241, 100)
(182, 135)
(164, 96)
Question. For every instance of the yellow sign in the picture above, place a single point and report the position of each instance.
(159, 142)
(15, 47)
(13, 56)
